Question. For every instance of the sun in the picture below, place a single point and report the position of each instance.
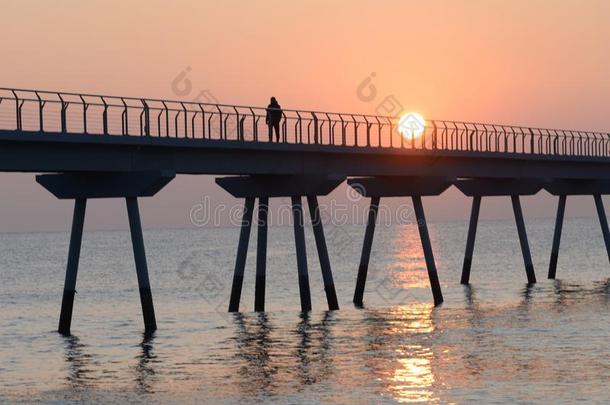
(411, 125)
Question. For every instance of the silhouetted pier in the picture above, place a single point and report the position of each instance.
(92, 146)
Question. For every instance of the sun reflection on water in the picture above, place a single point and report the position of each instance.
(412, 318)
(412, 379)
(409, 266)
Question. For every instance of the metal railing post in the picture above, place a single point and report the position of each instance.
(85, 107)
(18, 104)
(64, 107)
(166, 119)
(240, 135)
(195, 113)
(299, 125)
(254, 124)
(284, 128)
(316, 128)
(176, 123)
(356, 124)
(41, 112)
(186, 120)
(342, 130)
(368, 131)
(331, 130)
(124, 118)
(146, 118)
(104, 116)
(220, 121)
(391, 131)
(225, 126)
(379, 126)
(202, 120)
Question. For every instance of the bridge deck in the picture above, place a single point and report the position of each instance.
(65, 132)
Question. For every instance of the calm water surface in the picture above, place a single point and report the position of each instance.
(496, 341)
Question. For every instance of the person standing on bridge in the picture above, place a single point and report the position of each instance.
(274, 116)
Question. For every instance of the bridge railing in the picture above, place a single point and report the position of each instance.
(72, 113)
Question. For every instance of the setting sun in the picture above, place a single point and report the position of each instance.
(411, 125)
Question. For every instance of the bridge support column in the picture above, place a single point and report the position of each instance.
(242, 252)
(472, 231)
(366, 251)
(299, 240)
(67, 303)
(295, 187)
(488, 187)
(398, 186)
(525, 249)
(137, 241)
(427, 247)
(601, 213)
(83, 186)
(261, 255)
(561, 206)
(318, 232)
(564, 187)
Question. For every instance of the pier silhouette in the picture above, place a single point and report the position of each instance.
(92, 146)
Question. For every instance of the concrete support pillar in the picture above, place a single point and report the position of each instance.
(561, 206)
(294, 186)
(299, 239)
(525, 249)
(137, 240)
(427, 247)
(67, 303)
(318, 231)
(242, 252)
(601, 213)
(472, 231)
(366, 251)
(261, 255)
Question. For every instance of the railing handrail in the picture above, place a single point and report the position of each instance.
(28, 111)
(231, 106)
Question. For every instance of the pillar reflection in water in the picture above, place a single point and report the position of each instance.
(257, 375)
(271, 360)
(313, 349)
(145, 374)
(79, 363)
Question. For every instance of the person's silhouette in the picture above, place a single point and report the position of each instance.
(274, 117)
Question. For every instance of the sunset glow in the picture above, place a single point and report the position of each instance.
(411, 125)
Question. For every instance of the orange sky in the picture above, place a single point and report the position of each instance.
(543, 63)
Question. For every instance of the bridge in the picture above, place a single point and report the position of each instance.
(93, 146)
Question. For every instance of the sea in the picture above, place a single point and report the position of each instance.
(497, 340)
